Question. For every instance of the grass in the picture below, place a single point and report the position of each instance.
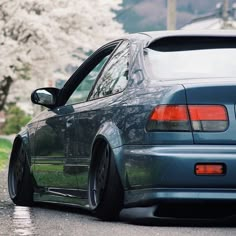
(5, 149)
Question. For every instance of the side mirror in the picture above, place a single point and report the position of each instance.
(45, 96)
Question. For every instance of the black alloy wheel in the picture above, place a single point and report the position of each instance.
(106, 193)
(19, 179)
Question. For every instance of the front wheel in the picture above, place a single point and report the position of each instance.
(20, 185)
(106, 193)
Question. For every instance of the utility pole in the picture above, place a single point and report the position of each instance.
(171, 14)
(225, 13)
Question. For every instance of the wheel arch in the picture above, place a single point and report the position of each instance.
(109, 134)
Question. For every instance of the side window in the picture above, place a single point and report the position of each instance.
(82, 91)
(114, 78)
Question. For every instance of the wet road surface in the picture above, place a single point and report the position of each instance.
(55, 220)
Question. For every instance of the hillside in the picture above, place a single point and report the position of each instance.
(145, 15)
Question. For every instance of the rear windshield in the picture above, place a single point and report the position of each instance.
(197, 63)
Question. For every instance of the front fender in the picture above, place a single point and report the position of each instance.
(22, 137)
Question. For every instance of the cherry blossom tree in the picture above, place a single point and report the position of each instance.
(38, 38)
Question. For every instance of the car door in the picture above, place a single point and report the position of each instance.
(56, 165)
(96, 108)
(51, 149)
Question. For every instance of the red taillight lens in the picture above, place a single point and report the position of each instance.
(169, 118)
(209, 118)
(212, 118)
(170, 113)
(207, 112)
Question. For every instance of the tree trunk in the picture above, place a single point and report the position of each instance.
(4, 89)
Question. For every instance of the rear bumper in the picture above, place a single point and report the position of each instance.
(161, 173)
(148, 197)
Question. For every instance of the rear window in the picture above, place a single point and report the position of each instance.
(176, 59)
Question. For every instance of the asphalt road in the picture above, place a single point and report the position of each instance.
(54, 220)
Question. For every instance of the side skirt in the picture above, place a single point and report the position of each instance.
(71, 197)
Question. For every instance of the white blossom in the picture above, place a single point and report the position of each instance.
(47, 35)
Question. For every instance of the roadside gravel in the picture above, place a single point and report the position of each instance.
(6, 206)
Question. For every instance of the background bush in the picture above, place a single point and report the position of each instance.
(15, 119)
(5, 149)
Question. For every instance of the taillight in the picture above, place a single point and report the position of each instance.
(211, 118)
(208, 117)
(169, 118)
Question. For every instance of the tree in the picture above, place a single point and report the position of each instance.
(39, 37)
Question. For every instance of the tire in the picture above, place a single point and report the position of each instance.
(20, 185)
(106, 194)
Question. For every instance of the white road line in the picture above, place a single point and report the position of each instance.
(22, 221)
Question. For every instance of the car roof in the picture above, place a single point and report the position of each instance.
(158, 34)
(152, 36)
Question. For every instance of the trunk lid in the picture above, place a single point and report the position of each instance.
(214, 93)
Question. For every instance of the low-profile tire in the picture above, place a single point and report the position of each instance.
(106, 194)
(20, 185)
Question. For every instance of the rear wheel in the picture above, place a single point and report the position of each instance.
(20, 185)
(105, 189)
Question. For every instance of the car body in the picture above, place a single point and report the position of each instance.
(146, 119)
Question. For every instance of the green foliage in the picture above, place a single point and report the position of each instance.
(16, 119)
(5, 148)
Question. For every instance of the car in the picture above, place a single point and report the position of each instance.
(146, 120)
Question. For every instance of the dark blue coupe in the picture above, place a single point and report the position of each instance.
(146, 120)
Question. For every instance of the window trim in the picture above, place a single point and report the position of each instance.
(91, 88)
(84, 68)
(100, 73)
